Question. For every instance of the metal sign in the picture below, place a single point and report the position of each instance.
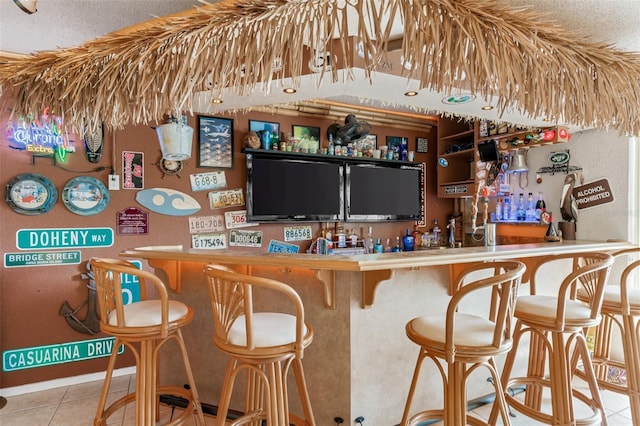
(132, 221)
(202, 224)
(223, 199)
(237, 219)
(55, 238)
(276, 246)
(204, 181)
(41, 356)
(209, 241)
(242, 238)
(41, 258)
(297, 233)
(132, 170)
(593, 194)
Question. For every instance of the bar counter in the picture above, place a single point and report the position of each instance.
(360, 362)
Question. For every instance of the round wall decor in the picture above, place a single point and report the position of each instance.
(31, 194)
(85, 195)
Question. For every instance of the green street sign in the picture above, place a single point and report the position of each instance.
(57, 238)
(42, 356)
(41, 258)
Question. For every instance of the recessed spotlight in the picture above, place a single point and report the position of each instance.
(411, 93)
(458, 99)
(289, 90)
(216, 101)
(547, 119)
(487, 107)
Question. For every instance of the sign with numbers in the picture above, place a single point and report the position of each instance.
(241, 238)
(237, 219)
(209, 241)
(280, 247)
(204, 181)
(198, 225)
(297, 233)
(229, 198)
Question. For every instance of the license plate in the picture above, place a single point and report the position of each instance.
(297, 233)
(240, 238)
(204, 181)
(237, 219)
(209, 241)
(199, 225)
(280, 247)
(230, 198)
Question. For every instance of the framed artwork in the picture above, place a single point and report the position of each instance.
(85, 196)
(215, 142)
(396, 141)
(306, 132)
(257, 126)
(422, 145)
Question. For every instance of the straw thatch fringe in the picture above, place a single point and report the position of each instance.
(139, 75)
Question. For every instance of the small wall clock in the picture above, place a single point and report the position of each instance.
(169, 167)
(31, 194)
(85, 196)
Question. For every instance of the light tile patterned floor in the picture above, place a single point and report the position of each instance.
(75, 406)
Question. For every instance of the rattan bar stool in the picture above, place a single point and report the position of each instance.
(143, 327)
(556, 324)
(265, 345)
(620, 308)
(466, 339)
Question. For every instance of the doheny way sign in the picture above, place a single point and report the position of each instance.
(58, 238)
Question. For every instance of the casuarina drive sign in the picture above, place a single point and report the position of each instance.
(58, 238)
(593, 194)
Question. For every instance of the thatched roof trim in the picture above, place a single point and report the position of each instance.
(139, 75)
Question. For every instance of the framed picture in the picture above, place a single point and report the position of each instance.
(422, 145)
(215, 142)
(396, 141)
(257, 126)
(306, 133)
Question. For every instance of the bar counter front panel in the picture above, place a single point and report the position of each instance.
(360, 362)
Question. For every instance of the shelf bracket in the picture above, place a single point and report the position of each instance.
(171, 269)
(370, 282)
(328, 279)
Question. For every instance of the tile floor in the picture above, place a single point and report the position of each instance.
(75, 406)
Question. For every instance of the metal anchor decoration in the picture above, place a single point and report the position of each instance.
(91, 324)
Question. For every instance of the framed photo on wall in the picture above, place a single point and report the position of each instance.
(306, 132)
(368, 144)
(422, 145)
(257, 126)
(215, 142)
(396, 141)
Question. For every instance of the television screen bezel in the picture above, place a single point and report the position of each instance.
(383, 217)
(339, 217)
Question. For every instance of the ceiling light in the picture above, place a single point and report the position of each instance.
(458, 99)
(487, 107)
(216, 101)
(27, 6)
(411, 93)
(289, 90)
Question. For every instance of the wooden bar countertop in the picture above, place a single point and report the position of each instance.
(374, 267)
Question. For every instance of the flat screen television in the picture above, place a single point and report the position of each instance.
(294, 190)
(376, 192)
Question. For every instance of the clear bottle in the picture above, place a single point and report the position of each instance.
(397, 246)
(531, 208)
(506, 210)
(514, 209)
(369, 245)
(499, 209)
(435, 239)
(521, 213)
(541, 206)
(332, 149)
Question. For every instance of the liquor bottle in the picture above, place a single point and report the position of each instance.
(397, 246)
(417, 237)
(369, 245)
(506, 210)
(514, 209)
(521, 211)
(531, 208)
(377, 248)
(499, 209)
(407, 241)
(541, 206)
(435, 239)
(353, 238)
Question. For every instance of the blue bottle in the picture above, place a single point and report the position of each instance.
(407, 241)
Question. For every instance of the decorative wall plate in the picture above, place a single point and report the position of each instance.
(85, 195)
(31, 194)
(168, 201)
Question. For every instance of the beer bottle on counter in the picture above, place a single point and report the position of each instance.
(520, 211)
(531, 208)
(541, 206)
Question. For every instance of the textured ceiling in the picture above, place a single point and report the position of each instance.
(66, 23)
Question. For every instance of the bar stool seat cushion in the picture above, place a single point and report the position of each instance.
(543, 311)
(269, 329)
(612, 296)
(470, 330)
(148, 313)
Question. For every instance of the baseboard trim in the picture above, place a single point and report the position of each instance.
(64, 381)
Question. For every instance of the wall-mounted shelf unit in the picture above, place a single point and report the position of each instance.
(456, 157)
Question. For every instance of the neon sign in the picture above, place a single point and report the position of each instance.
(45, 136)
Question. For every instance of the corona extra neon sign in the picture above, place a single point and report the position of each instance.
(44, 136)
